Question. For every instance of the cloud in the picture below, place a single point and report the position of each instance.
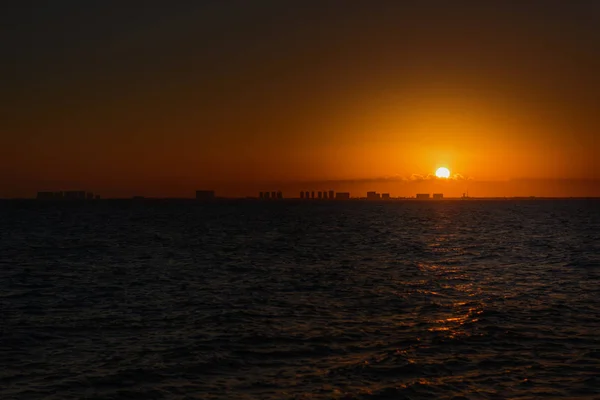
(431, 177)
(414, 178)
(459, 177)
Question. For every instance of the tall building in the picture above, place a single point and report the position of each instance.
(261, 195)
(279, 195)
(373, 196)
(422, 196)
(342, 196)
(438, 196)
(273, 195)
(301, 195)
(312, 194)
(266, 195)
(205, 195)
(385, 196)
(331, 195)
(320, 194)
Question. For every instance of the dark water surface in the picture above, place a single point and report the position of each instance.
(241, 300)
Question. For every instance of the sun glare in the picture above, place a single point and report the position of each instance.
(442, 173)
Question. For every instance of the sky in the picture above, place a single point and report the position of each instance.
(161, 98)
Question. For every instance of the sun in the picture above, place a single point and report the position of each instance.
(442, 172)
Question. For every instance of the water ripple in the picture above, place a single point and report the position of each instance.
(167, 300)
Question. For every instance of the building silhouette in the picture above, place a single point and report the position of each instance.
(438, 196)
(270, 195)
(74, 195)
(67, 195)
(373, 196)
(320, 195)
(205, 195)
(385, 196)
(422, 196)
(342, 196)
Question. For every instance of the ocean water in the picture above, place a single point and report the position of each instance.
(291, 300)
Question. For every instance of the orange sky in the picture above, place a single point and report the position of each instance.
(243, 96)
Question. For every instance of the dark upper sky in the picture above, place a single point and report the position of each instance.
(164, 96)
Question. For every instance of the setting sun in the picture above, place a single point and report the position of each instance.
(442, 173)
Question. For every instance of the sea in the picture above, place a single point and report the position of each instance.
(175, 299)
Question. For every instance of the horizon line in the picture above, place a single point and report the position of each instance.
(308, 200)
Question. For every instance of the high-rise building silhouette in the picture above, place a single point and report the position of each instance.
(301, 195)
(385, 196)
(422, 196)
(373, 196)
(279, 195)
(331, 195)
(438, 196)
(342, 196)
(312, 195)
(273, 195)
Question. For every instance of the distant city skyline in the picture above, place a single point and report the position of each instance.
(356, 189)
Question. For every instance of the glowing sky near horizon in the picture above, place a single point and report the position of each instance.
(163, 99)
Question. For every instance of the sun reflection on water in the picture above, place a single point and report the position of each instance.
(452, 293)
